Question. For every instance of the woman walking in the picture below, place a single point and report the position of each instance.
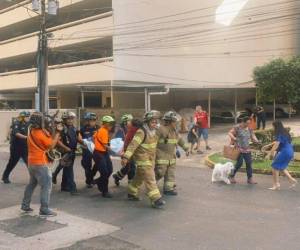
(284, 151)
(241, 135)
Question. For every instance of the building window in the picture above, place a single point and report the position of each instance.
(93, 100)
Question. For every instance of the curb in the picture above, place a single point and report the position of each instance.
(211, 165)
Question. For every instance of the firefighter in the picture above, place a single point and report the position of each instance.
(68, 144)
(130, 126)
(87, 132)
(166, 152)
(142, 150)
(18, 144)
(101, 154)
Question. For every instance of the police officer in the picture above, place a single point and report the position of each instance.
(18, 144)
(142, 149)
(165, 154)
(87, 132)
(68, 144)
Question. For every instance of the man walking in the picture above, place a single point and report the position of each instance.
(87, 132)
(18, 144)
(201, 121)
(165, 153)
(39, 142)
(142, 149)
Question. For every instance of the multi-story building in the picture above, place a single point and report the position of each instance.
(106, 53)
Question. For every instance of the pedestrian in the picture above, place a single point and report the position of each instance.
(142, 149)
(283, 150)
(101, 155)
(40, 141)
(241, 136)
(87, 132)
(201, 120)
(261, 117)
(253, 122)
(165, 153)
(132, 125)
(68, 144)
(192, 137)
(18, 144)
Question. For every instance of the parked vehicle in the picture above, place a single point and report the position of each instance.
(282, 110)
(222, 111)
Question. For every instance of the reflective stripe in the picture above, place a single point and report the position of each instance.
(169, 186)
(132, 190)
(149, 146)
(172, 141)
(137, 139)
(128, 154)
(166, 162)
(169, 141)
(154, 193)
(144, 163)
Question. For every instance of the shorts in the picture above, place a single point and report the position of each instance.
(203, 132)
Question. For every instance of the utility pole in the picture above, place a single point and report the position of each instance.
(42, 63)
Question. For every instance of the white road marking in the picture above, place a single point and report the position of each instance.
(76, 229)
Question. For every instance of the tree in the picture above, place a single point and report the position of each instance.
(279, 80)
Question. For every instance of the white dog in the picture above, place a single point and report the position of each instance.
(222, 172)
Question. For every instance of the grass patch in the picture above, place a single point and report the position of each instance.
(296, 140)
(260, 165)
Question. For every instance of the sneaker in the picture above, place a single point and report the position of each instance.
(159, 204)
(107, 195)
(54, 180)
(26, 209)
(133, 198)
(199, 152)
(117, 180)
(6, 180)
(251, 181)
(48, 213)
(208, 148)
(171, 193)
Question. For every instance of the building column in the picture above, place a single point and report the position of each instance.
(235, 106)
(82, 98)
(209, 108)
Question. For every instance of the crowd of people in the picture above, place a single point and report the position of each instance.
(147, 156)
(148, 153)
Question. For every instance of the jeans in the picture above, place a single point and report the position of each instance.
(248, 160)
(87, 164)
(104, 166)
(261, 119)
(39, 175)
(16, 153)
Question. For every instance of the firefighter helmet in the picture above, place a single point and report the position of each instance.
(125, 118)
(107, 119)
(68, 115)
(170, 116)
(153, 114)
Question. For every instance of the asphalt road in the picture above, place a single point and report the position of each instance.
(203, 216)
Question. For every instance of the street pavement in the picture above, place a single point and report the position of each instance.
(202, 216)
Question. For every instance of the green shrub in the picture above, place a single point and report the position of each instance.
(296, 143)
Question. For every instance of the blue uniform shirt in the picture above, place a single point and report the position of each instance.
(69, 137)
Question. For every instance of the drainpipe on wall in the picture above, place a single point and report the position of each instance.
(167, 90)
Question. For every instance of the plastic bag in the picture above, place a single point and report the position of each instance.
(89, 144)
(116, 145)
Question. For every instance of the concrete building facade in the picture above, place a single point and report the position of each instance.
(115, 53)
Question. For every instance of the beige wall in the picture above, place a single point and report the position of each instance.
(211, 57)
(29, 45)
(20, 14)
